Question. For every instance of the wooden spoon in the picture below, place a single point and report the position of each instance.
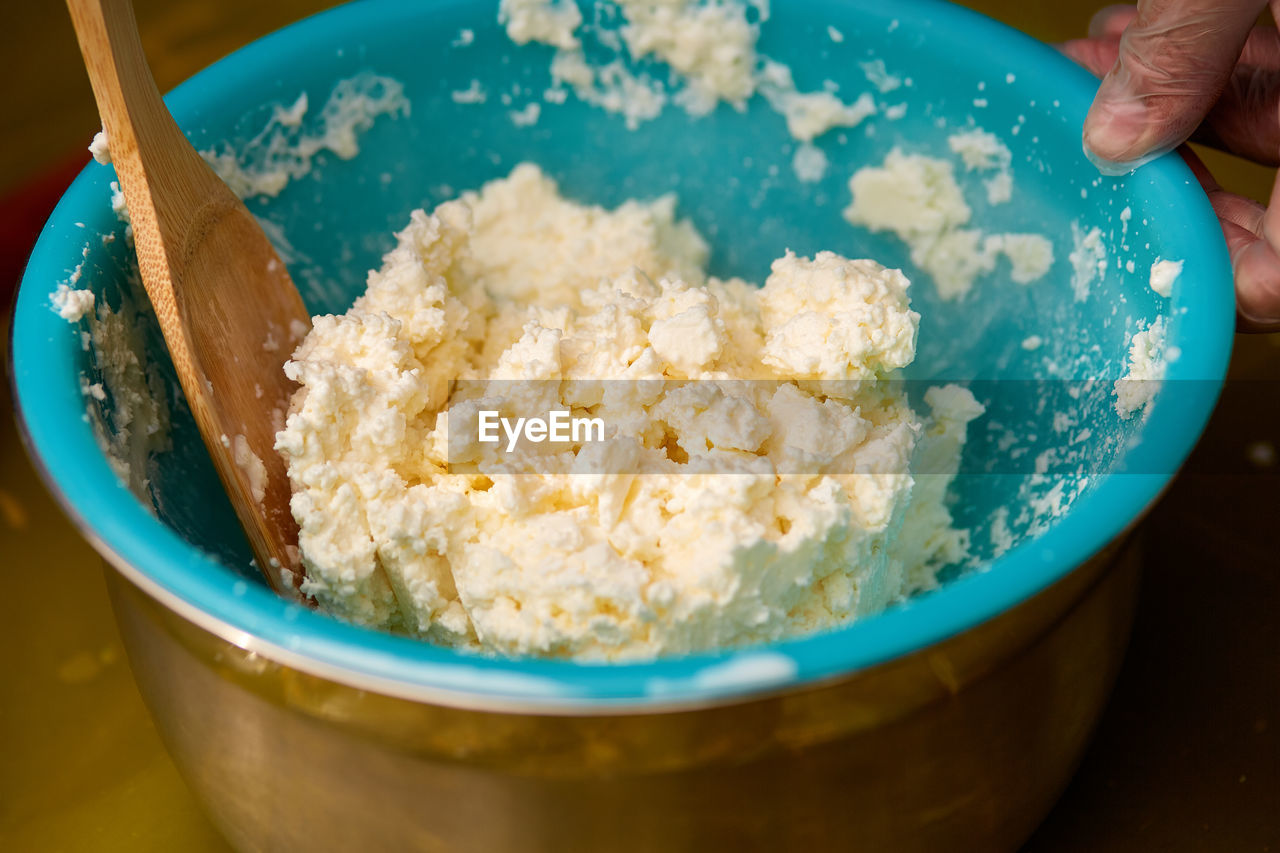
(230, 314)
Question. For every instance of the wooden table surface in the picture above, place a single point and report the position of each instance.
(1186, 757)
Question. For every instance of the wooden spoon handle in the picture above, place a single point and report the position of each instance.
(228, 309)
(145, 140)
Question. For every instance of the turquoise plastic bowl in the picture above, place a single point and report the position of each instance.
(732, 173)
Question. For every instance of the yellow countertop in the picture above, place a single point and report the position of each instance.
(1185, 758)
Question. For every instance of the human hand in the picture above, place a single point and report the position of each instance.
(1195, 69)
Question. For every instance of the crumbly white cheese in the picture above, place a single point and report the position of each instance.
(929, 540)
(1147, 364)
(712, 45)
(832, 318)
(526, 116)
(1088, 260)
(809, 114)
(286, 147)
(1163, 275)
(980, 150)
(121, 210)
(647, 545)
(710, 48)
(611, 87)
(474, 94)
(918, 199)
(548, 21)
(100, 148)
(250, 464)
(984, 152)
(1030, 255)
(72, 304)
(135, 424)
(810, 163)
(927, 200)
(999, 188)
(878, 75)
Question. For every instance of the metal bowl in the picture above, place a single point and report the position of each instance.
(964, 745)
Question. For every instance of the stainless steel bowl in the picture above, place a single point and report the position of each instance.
(964, 745)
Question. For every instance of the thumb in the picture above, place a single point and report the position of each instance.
(1175, 59)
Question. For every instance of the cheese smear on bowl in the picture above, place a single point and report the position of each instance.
(749, 480)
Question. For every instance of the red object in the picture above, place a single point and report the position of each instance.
(23, 213)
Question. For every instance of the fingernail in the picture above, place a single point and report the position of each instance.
(1116, 124)
(1114, 169)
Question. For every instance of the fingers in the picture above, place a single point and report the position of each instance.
(1170, 66)
(1258, 287)
(1110, 21)
(1235, 211)
(1253, 253)
(1246, 119)
(1243, 214)
(1257, 265)
(1262, 48)
(1174, 61)
(1096, 55)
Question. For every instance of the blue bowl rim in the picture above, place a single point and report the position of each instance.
(200, 590)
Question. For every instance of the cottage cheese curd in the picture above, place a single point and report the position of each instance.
(753, 484)
(917, 198)
(710, 48)
(1163, 274)
(1136, 390)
